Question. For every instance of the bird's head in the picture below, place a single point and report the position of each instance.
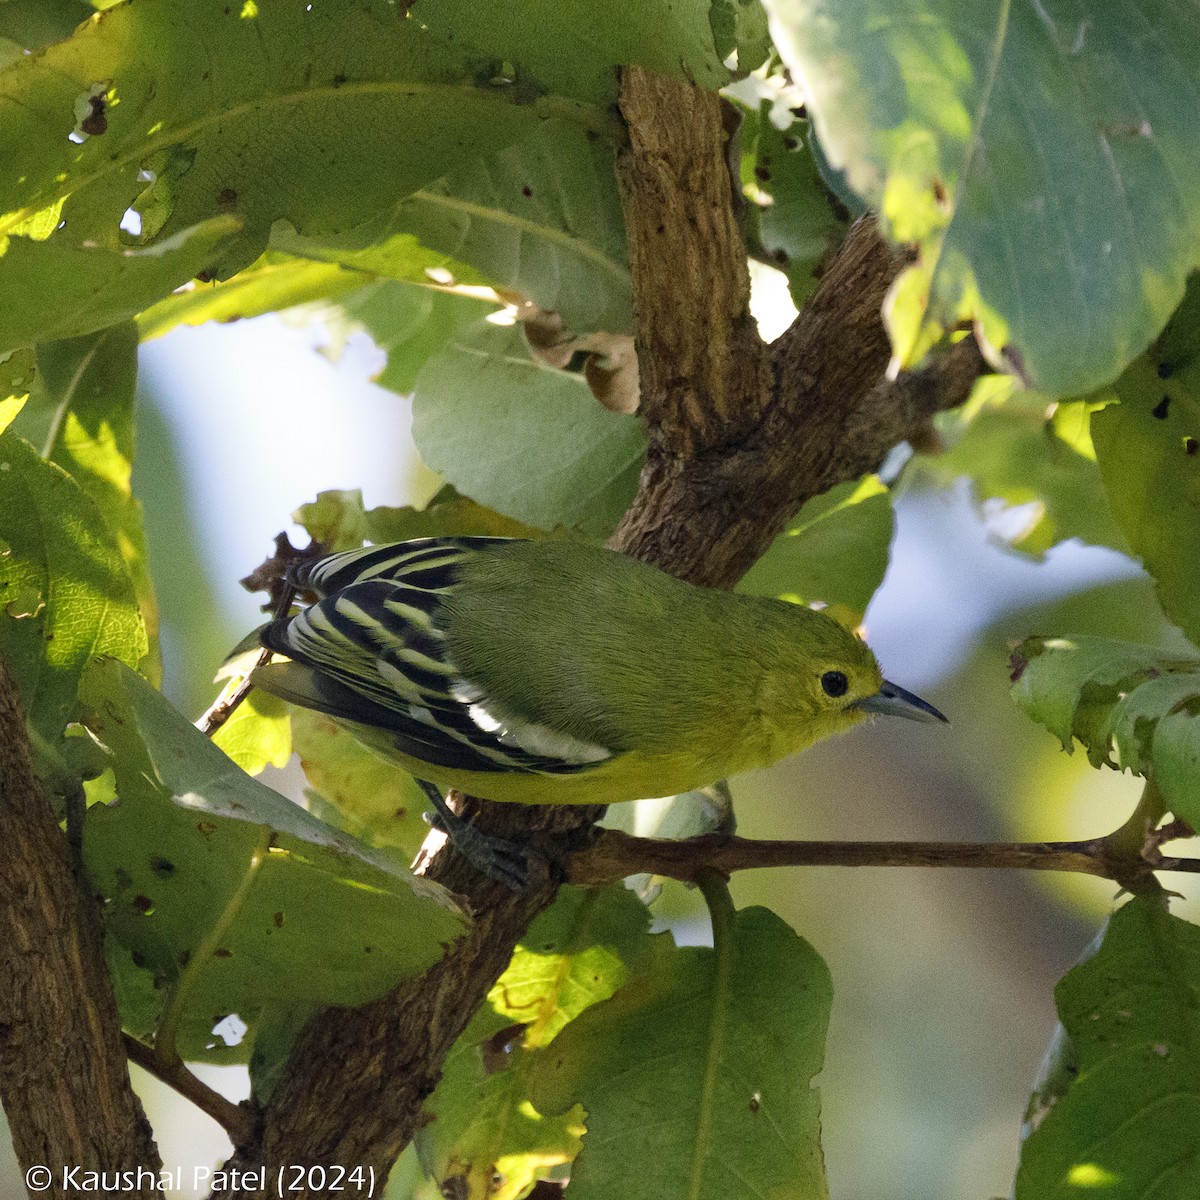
(831, 681)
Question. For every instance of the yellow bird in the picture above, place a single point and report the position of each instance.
(551, 672)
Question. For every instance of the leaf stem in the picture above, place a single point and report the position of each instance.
(166, 1050)
(715, 888)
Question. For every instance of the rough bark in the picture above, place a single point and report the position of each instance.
(740, 435)
(64, 1079)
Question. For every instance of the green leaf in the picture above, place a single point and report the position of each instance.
(65, 593)
(835, 550)
(1024, 451)
(18, 371)
(339, 520)
(33, 24)
(258, 734)
(1041, 158)
(740, 25)
(54, 289)
(541, 218)
(574, 47)
(697, 1081)
(526, 440)
(92, 384)
(1128, 1125)
(230, 896)
(1122, 697)
(10, 406)
(798, 222)
(411, 325)
(274, 282)
(486, 1139)
(262, 111)
(576, 954)
(1148, 447)
(446, 514)
(361, 792)
(336, 519)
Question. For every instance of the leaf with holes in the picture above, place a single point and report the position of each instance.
(1131, 708)
(485, 1137)
(1148, 447)
(1041, 157)
(229, 896)
(697, 1072)
(797, 222)
(254, 111)
(65, 593)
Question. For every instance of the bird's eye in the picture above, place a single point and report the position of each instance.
(834, 683)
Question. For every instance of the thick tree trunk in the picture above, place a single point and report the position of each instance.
(64, 1078)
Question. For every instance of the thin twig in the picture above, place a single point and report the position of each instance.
(226, 704)
(240, 1123)
(615, 855)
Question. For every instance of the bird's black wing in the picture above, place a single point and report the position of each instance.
(372, 650)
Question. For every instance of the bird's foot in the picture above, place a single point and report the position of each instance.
(498, 859)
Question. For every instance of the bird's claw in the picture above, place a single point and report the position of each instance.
(498, 859)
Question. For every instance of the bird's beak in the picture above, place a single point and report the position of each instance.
(895, 701)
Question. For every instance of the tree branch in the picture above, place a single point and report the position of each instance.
(739, 435)
(64, 1078)
(615, 855)
(237, 1121)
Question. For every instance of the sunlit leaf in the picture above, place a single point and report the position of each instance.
(1041, 157)
(576, 954)
(835, 550)
(274, 282)
(258, 734)
(17, 372)
(486, 1138)
(1148, 447)
(53, 289)
(91, 382)
(65, 592)
(355, 788)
